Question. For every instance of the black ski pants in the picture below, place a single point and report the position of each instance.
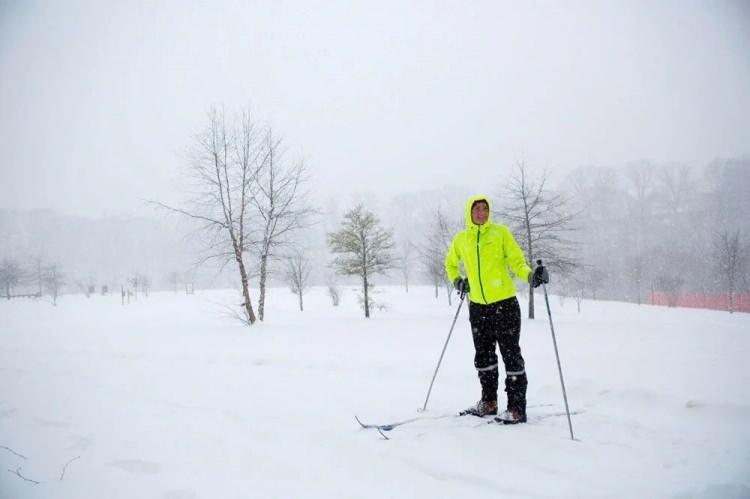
(499, 323)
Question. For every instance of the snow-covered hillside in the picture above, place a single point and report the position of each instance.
(167, 398)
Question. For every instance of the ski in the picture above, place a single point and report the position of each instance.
(471, 411)
(531, 419)
(375, 427)
(386, 427)
(389, 426)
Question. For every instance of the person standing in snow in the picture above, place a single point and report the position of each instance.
(487, 250)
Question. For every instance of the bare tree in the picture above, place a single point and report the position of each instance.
(728, 183)
(671, 285)
(145, 282)
(10, 275)
(54, 279)
(335, 293)
(173, 278)
(434, 270)
(87, 287)
(540, 219)
(224, 168)
(135, 284)
(407, 249)
(434, 248)
(188, 280)
(676, 188)
(363, 248)
(578, 290)
(280, 203)
(298, 274)
(641, 195)
(38, 274)
(598, 202)
(593, 278)
(730, 257)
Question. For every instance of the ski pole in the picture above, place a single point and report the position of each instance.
(557, 355)
(463, 295)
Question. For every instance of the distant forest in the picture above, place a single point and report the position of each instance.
(636, 231)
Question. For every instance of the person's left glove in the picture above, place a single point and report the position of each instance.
(461, 285)
(539, 276)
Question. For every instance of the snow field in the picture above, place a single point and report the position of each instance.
(168, 398)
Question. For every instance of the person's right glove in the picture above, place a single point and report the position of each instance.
(539, 276)
(461, 285)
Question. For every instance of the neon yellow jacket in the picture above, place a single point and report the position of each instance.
(487, 251)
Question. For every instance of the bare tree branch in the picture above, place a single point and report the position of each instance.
(539, 217)
(188, 214)
(62, 475)
(280, 205)
(17, 472)
(13, 452)
(222, 172)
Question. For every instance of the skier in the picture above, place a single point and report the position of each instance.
(487, 250)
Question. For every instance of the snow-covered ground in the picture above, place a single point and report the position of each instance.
(167, 398)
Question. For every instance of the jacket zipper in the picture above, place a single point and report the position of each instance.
(479, 269)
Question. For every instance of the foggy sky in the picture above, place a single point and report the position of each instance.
(99, 100)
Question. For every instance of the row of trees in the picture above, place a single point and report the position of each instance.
(540, 218)
(38, 279)
(249, 201)
(669, 229)
(605, 233)
(34, 279)
(628, 234)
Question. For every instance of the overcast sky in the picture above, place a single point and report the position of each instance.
(99, 100)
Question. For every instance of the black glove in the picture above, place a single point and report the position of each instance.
(538, 276)
(461, 285)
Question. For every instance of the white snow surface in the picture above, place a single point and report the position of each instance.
(168, 398)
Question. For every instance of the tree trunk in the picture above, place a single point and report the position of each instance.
(262, 286)
(301, 308)
(39, 281)
(638, 286)
(249, 314)
(367, 297)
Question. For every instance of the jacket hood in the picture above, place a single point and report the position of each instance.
(469, 203)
